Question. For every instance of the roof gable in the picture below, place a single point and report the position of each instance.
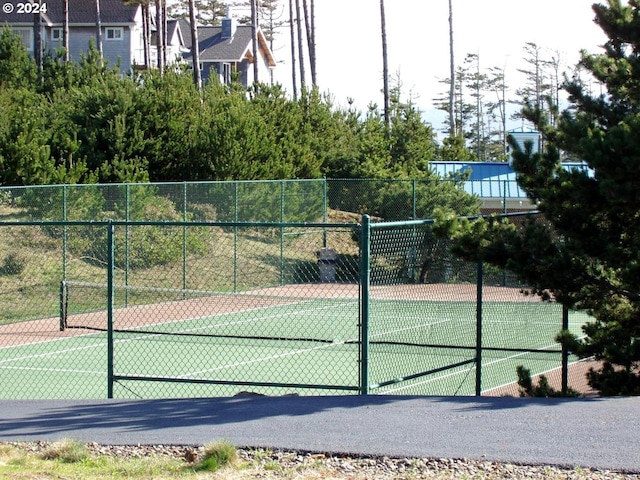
(174, 33)
(215, 48)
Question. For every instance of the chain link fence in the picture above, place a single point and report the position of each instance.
(147, 291)
(256, 201)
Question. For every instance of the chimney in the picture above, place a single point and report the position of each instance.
(228, 25)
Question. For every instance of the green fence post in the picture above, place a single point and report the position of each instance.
(565, 353)
(184, 240)
(235, 237)
(365, 283)
(324, 211)
(505, 211)
(127, 234)
(110, 298)
(64, 233)
(63, 305)
(282, 214)
(479, 330)
(413, 200)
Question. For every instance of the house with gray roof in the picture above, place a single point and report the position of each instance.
(122, 32)
(226, 51)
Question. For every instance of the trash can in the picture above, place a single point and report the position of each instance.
(327, 260)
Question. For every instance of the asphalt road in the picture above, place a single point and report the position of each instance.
(592, 432)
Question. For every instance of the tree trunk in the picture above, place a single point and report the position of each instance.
(311, 38)
(452, 84)
(195, 49)
(165, 39)
(37, 42)
(293, 51)
(159, 36)
(478, 93)
(98, 29)
(300, 47)
(146, 35)
(385, 65)
(65, 29)
(254, 40)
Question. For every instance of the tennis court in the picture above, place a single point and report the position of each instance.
(303, 339)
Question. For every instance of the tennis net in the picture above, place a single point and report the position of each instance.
(199, 313)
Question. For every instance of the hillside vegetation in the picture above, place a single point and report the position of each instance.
(83, 123)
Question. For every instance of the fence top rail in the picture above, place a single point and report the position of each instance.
(401, 223)
(428, 221)
(171, 223)
(156, 184)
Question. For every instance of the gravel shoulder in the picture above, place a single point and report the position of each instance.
(269, 464)
(589, 433)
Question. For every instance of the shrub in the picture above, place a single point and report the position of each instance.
(216, 456)
(13, 264)
(543, 389)
(67, 451)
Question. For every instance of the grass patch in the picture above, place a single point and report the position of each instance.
(66, 451)
(24, 462)
(216, 456)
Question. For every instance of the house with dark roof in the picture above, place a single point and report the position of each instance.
(226, 51)
(122, 31)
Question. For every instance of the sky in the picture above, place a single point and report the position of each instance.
(349, 46)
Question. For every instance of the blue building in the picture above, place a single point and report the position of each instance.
(493, 182)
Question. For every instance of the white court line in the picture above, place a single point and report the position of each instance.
(270, 357)
(55, 370)
(411, 327)
(240, 312)
(541, 373)
(102, 344)
(50, 354)
(298, 352)
(465, 371)
(256, 360)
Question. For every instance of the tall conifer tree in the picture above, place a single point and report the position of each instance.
(586, 252)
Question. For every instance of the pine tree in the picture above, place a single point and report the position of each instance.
(585, 254)
(541, 87)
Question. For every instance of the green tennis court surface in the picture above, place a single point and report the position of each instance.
(305, 347)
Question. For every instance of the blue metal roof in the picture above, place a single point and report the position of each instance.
(489, 179)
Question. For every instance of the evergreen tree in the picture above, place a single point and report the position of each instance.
(17, 68)
(479, 113)
(541, 87)
(585, 254)
(496, 109)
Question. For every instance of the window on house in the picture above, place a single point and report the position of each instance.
(114, 33)
(226, 73)
(56, 34)
(26, 35)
